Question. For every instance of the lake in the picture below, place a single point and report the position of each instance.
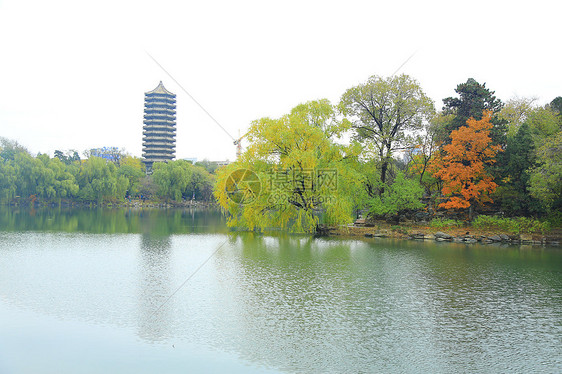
(175, 291)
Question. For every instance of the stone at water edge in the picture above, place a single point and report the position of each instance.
(442, 235)
(504, 238)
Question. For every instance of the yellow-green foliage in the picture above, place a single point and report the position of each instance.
(293, 158)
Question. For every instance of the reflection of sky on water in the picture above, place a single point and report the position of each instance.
(332, 305)
(154, 287)
(288, 302)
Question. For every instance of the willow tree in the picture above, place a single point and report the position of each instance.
(172, 178)
(385, 114)
(293, 175)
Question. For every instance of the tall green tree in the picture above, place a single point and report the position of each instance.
(519, 159)
(427, 147)
(520, 155)
(474, 98)
(61, 181)
(402, 194)
(385, 113)
(9, 148)
(67, 157)
(556, 105)
(98, 181)
(516, 112)
(8, 185)
(200, 187)
(33, 179)
(546, 179)
(543, 123)
(172, 178)
(133, 169)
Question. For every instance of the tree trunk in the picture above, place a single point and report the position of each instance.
(384, 167)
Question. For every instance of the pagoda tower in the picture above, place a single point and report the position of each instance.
(159, 130)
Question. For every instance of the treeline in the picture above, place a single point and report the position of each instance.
(483, 155)
(405, 160)
(96, 179)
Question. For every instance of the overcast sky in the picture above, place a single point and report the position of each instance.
(73, 73)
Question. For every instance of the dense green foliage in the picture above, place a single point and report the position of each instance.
(384, 114)
(546, 178)
(519, 158)
(556, 105)
(27, 179)
(401, 194)
(293, 174)
(474, 98)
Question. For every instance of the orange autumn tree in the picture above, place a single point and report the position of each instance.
(461, 165)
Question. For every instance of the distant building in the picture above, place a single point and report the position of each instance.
(221, 163)
(112, 154)
(159, 130)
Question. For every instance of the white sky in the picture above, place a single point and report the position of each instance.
(73, 73)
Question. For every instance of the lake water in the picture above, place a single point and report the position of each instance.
(174, 291)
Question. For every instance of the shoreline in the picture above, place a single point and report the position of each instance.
(379, 229)
(466, 235)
